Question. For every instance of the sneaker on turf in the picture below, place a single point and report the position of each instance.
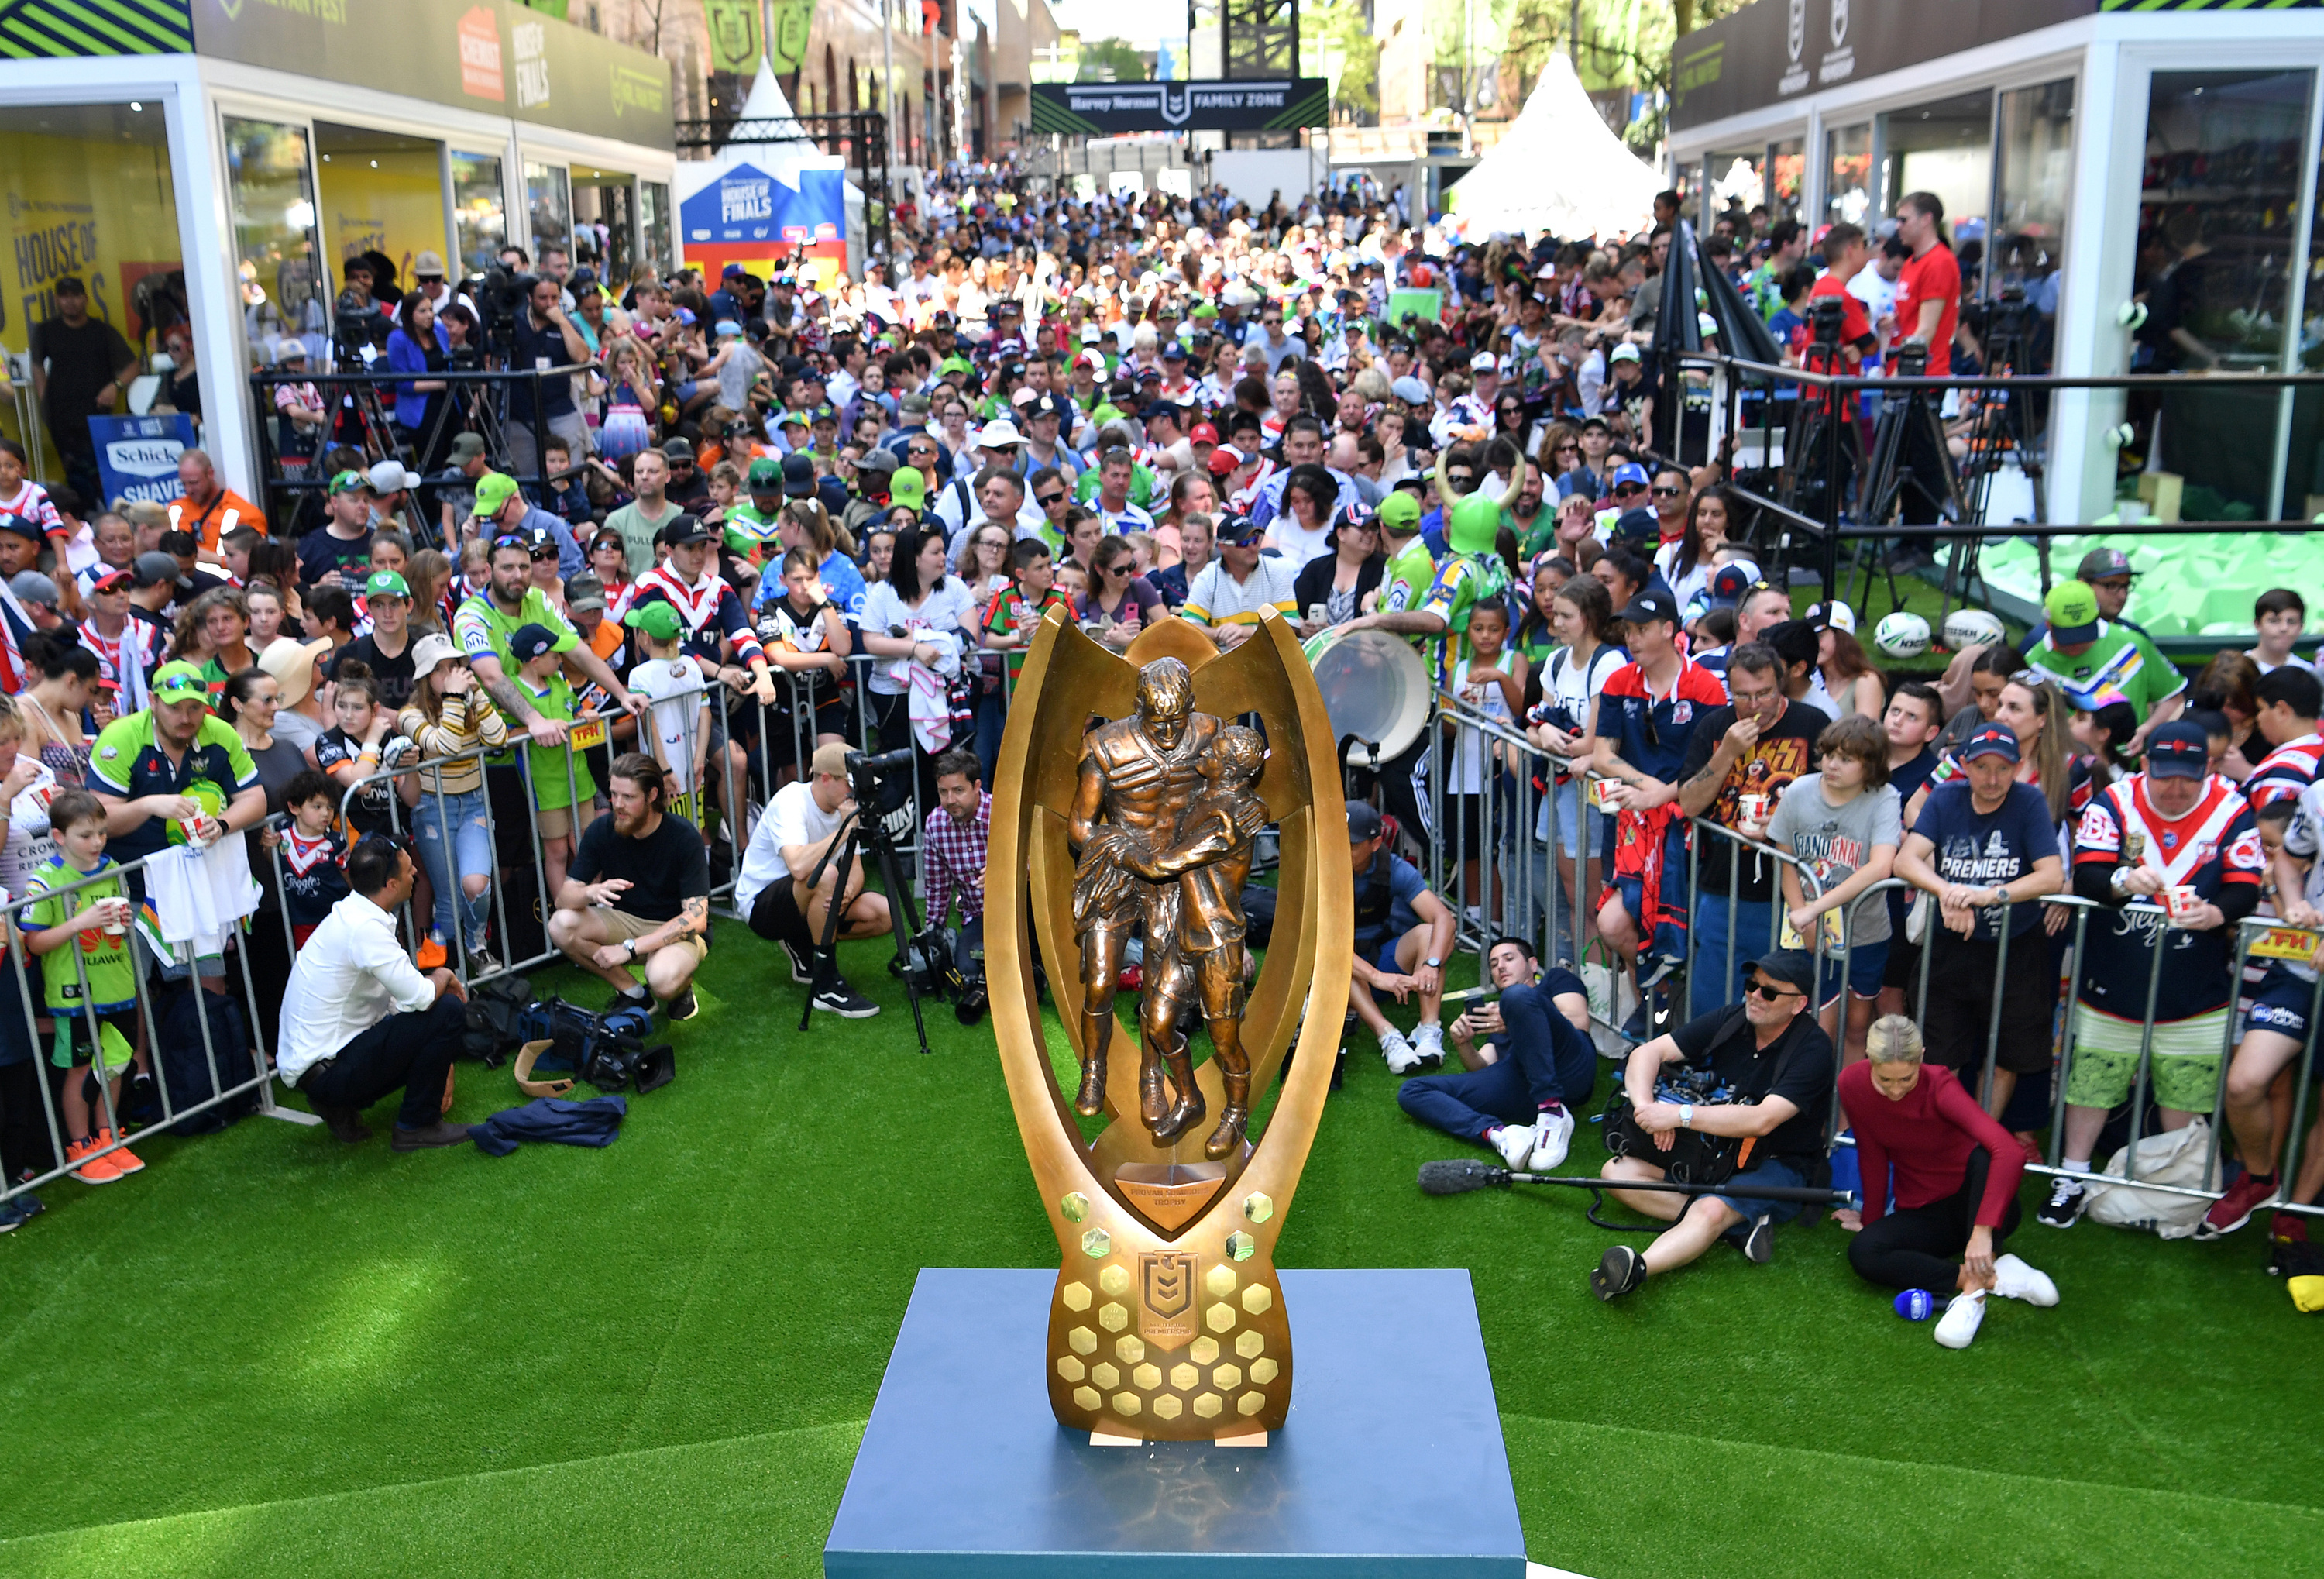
(2013, 1279)
(636, 996)
(123, 1161)
(802, 967)
(684, 1007)
(1654, 968)
(2233, 1209)
(481, 963)
(2288, 1228)
(21, 1210)
(1960, 1320)
(1402, 1057)
(1429, 1044)
(2064, 1206)
(1553, 1136)
(1760, 1244)
(1618, 1271)
(840, 999)
(1513, 1142)
(86, 1166)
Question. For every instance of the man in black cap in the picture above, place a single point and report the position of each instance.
(2108, 573)
(1777, 1063)
(687, 488)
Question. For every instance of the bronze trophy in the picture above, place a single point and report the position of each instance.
(1127, 806)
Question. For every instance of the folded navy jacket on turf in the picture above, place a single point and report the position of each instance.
(594, 1122)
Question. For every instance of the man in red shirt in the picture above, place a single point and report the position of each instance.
(1928, 292)
(1843, 256)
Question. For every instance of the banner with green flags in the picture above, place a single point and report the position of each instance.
(735, 42)
(786, 48)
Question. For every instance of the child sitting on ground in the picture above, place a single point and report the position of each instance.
(314, 851)
(88, 984)
(561, 780)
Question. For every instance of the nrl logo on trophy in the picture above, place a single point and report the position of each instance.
(1127, 809)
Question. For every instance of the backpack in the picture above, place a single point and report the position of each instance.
(186, 1062)
(497, 1018)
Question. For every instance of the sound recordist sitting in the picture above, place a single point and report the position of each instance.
(1776, 1063)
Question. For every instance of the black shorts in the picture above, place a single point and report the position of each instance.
(1902, 969)
(775, 916)
(1960, 1005)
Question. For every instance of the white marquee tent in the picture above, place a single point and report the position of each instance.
(1558, 169)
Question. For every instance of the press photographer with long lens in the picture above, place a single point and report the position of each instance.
(1764, 1072)
(791, 878)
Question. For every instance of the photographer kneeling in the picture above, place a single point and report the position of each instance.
(1774, 1064)
(791, 879)
(638, 890)
(1957, 1173)
(1520, 1089)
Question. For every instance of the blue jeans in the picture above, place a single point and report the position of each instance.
(1710, 984)
(455, 835)
(1542, 1060)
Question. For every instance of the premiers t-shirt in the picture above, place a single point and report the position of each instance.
(2217, 844)
(1986, 851)
(663, 870)
(1785, 751)
(1796, 1067)
(1836, 841)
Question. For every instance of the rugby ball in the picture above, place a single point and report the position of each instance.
(1968, 627)
(1902, 634)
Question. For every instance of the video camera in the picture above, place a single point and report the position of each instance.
(882, 787)
(1825, 314)
(500, 295)
(935, 973)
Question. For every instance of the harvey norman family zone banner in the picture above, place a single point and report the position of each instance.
(1778, 49)
(492, 55)
(1089, 109)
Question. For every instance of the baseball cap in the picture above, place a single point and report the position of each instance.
(180, 682)
(31, 587)
(877, 460)
(1795, 967)
(1834, 615)
(830, 760)
(494, 491)
(584, 592)
(1648, 605)
(1484, 362)
(678, 452)
(348, 481)
(765, 474)
(1728, 583)
(1001, 433)
(1399, 513)
(386, 584)
(25, 526)
(1202, 433)
(798, 476)
(2073, 611)
(1624, 353)
(657, 619)
(427, 265)
(1629, 471)
(1363, 821)
(908, 488)
(152, 568)
(2178, 749)
(1410, 390)
(527, 643)
(1998, 740)
(390, 477)
(917, 404)
(1236, 529)
(114, 581)
(2104, 564)
(686, 529)
(1225, 459)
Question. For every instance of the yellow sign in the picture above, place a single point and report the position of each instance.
(586, 735)
(2287, 943)
(388, 200)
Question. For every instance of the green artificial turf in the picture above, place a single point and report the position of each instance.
(272, 1354)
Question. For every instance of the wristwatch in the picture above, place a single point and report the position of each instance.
(1433, 963)
(630, 945)
(1686, 1115)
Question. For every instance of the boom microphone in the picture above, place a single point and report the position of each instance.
(1459, 1176)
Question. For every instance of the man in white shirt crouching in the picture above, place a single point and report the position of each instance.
(359, 1020)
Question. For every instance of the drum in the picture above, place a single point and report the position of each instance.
(1374, 685)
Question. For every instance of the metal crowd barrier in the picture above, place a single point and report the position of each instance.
(257, 1087)
(1511, 833)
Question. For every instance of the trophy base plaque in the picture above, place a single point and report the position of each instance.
(1390, 1463)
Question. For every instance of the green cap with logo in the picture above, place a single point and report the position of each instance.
(180, 682)
(494, 491)
(349, 483)
(766, 476)
(909, 486)
(2073, 610)
(657, 619)
(386, 584)
(1399, 513)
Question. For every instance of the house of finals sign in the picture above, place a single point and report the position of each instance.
(1092, 110)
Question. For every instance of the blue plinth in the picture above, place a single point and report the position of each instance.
(1391, 1464)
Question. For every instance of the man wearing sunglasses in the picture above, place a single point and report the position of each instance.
(1777, 1063)
(1673, 493)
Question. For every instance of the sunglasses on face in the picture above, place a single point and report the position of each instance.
(538, 554)
(1568, 449)
(1046, 500)
(1771, 992)
(1668, 492)
(1622, 488)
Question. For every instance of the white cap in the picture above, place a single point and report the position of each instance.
(1484, 362)
(1001, 433)
(390, 477)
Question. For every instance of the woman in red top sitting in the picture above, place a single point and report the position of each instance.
(1955, 1185)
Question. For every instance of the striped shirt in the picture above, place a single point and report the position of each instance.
(1217, 598)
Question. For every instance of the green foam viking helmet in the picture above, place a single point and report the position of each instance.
(1472, 526)
(1475, 523)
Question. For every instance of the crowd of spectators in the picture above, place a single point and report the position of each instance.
(779, 518)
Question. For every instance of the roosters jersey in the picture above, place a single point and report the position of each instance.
(2286, 771)
(2215, 844)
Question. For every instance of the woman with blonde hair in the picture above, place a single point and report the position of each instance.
(806, 524)
(1956, 1184)
(427, 575)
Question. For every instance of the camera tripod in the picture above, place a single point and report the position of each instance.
(2004, 427)
(903, 922)
(1905, 423)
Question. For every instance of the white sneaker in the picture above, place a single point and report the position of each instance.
(1515, 1143)
(1401, 1056)
(1428, 1041)
(1552, 1136)
(2013, 1279)
(1960, 1320)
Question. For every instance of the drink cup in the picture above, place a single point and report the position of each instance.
(2182, 901)
(116, 916)
(1752, 808)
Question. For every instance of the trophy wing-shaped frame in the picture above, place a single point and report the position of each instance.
(1167, 1322)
